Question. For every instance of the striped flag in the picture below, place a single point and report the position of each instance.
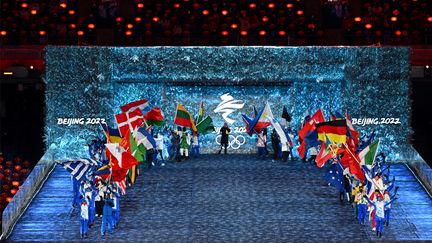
(184, 118)
(121, 185)
(79, 168)
(335, 131)
(143, 105)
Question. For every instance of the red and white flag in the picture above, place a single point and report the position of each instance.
(138, 104)
(128, 121)
(121, 159)
(121, 185)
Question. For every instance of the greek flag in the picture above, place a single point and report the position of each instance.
(79, 168)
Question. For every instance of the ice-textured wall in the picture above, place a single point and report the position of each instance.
(91, 82)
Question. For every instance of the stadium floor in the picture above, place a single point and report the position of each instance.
(227, 198)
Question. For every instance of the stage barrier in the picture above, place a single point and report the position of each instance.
(27, 191)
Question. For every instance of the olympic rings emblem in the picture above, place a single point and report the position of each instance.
(234, 142)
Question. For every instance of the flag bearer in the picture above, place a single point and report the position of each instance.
(184, 145)
(84, 217)
(107, 214)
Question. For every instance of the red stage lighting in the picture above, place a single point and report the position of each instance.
(205, 12)
(15, 183)
(224, 33)
(128, 33)
(282, 33)
(393, 19)
(33, 12)
(72, 26)
(429, 19)
(9, 199)
(119, 19)
(262, 32)
(243, 33)
(91, 26)
(368, 26)
(140, 5)
(155, 19)
(398, 32)
(13, 191)
(357, 19)
(129, 26)
(138, 19)
(395, 12)
(3, 33)
(234, 26)
(300, 12)
(252, 5)
(63, 5)
(42, 32)
(24, 5)
(224, 12)
(271, 5)
(265, 19)
(80, 33)
(176, 5)
(290, 5)
(71, 12)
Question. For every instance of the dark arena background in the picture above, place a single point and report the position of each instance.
(68, 173)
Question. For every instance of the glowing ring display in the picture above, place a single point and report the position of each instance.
(234, 142)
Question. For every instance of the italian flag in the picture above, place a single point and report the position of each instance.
(368, 154)
(184, 118)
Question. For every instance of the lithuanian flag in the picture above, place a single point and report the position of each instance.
(335, 130)
(184, 118)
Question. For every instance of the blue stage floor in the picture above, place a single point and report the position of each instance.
(228, 198)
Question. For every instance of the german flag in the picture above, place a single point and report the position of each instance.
(335, 130)
(184, 118)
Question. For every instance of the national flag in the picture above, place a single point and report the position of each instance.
(335, 130)
(112, 134)
(306, 117)
(352, 161)
(205, 125)
(286, 118)
(145, 138)
(125, 142)
(258, 123)
(352, 134)
(154, 117)
(121, 185)
(200, 113)
(317, 117)
(129, 121)
(104, 172)
(327, 152)
(80, 168)
(282, 135)
(122, 160)
(143, 105)
(332, 116)
(334, 176)
(134, 150)
(367, 155)
(184, 118)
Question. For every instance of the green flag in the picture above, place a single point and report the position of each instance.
(135, 151)
(205, 126)
(368, 154)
